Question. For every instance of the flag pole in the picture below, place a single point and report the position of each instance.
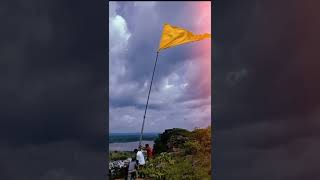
(145, 111)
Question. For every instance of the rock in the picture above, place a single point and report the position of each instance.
(119, 165)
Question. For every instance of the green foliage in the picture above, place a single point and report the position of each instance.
(182, 170)
(120, 155)
(157, 168)
(191, 147)
(159, 146)
(194, 165)
(167, 166)
(203, 136)
(175, 136)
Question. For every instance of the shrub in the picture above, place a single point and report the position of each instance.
(120, 155)
(191, 147)
(176, 137)
(167, 166)
(158, 167)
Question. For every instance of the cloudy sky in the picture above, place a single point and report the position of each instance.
(53, 80)
(265, 80)
(266, 90)
(181, 91)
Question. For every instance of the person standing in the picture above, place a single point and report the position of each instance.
(149, 152)
(141, 162)
(132, 169)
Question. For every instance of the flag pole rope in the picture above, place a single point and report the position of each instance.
(145, 111)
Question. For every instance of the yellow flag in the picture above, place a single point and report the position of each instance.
(174, 36)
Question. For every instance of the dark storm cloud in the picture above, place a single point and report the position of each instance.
(146, 35)
(48, 72)
(64, 160)
(135, 31)
(266, 123)
(52, 89)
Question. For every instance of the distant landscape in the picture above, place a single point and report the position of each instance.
(129, 141)
(131, 137)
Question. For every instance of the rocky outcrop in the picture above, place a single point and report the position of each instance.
(171, 140)
(118, 168)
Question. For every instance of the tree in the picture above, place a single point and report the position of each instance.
(194, 164)
(171, 137)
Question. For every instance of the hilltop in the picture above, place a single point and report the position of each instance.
(179, 154)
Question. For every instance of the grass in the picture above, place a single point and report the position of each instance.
(120, 155)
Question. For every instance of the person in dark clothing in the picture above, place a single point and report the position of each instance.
(132, 169)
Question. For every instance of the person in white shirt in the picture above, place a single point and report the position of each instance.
(140, 157)
(141, 161)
